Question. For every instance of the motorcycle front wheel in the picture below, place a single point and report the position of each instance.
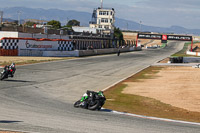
(77, 104)
(3, 76)
(80, 104)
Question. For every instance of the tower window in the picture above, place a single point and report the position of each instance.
(104, 20)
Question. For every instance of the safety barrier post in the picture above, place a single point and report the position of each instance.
(136, 41)
(191, 44)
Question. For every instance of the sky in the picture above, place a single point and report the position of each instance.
(162, 13)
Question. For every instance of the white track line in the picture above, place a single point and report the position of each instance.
(156, 118)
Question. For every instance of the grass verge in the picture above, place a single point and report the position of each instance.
(140, 105)
(163, 45)
(28, 60)
(182, 53)
(9, 132)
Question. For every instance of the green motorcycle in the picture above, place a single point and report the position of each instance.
(91, 100)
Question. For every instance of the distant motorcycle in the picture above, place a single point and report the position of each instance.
(8, 71)
(118, 52)
(91, 100)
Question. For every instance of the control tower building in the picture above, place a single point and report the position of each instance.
(103, 20)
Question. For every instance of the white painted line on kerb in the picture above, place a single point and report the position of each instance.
(155, 118)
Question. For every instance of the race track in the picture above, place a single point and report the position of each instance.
(39, 99)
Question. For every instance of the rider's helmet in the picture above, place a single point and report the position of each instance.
(12, 65)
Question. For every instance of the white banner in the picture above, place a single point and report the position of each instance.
(40, 45)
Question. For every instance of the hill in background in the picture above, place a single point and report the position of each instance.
(84, 17)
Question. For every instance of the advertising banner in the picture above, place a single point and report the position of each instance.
(40, 45)
(179, 38)
(165, 37)
(150, 36)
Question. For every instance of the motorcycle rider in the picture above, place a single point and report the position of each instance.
(118, 52)
(91, 100)
(91, 94)
(10, 67)
(5, 69)
(88, 93)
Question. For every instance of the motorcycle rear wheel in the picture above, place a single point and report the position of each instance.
(94, 106)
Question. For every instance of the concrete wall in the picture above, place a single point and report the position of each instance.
(193, 53)
(106, 51)
(76, 53)
(191, 59)
(30, 52)
(61, 53)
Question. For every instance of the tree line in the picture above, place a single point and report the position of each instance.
(57, 25)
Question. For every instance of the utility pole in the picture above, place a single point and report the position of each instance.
(140, 26)
(101, 4)
(67, 21)
(19, 13)
(1, 13)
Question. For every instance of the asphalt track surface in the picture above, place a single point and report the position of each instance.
(40, 97)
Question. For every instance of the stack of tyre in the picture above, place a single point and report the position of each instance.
(176, 59)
